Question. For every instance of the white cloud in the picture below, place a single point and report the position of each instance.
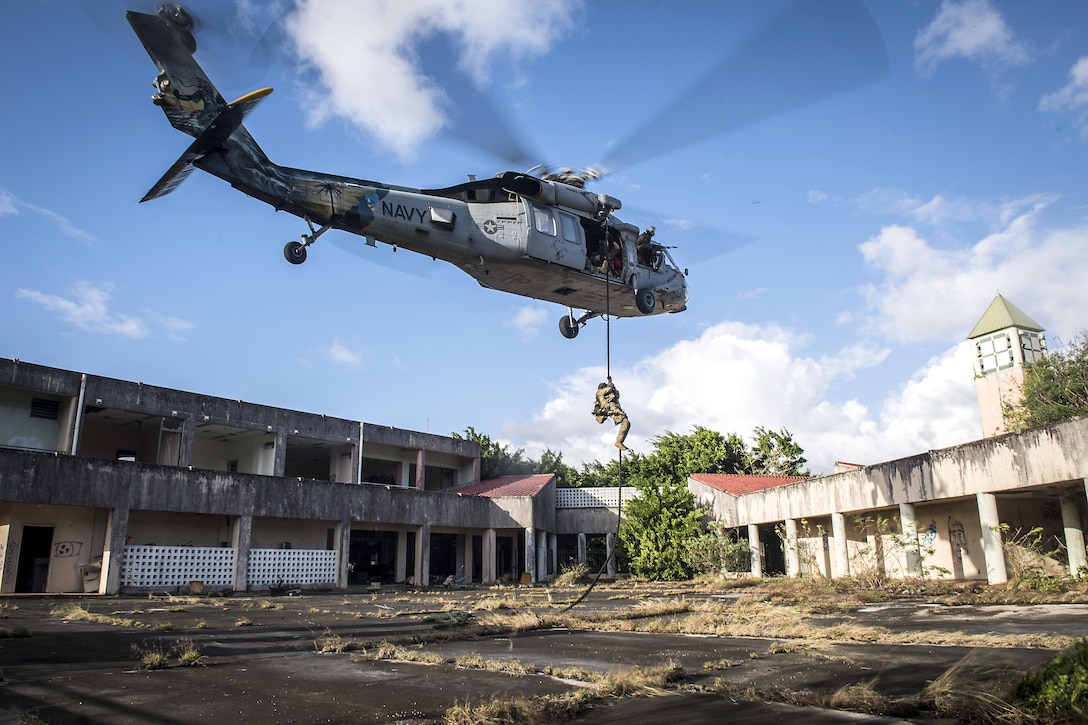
(928, 293)
(89, 310)
(363, 54)
(174, 325)
(528, 321)
(11, 205)
(735, 377)
(1072, 96)
(684, 225)
(340, 354)
(970, 29)
(945, 209)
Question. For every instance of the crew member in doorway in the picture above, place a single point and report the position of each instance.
(644, 246)
(608, 406)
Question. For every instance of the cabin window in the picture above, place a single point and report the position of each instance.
(544, 220)
(569, 228)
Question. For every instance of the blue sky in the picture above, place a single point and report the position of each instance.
(838, 252)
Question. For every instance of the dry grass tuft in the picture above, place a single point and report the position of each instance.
(860, 697)
(968, 691)
(639, 681)
(517, 710)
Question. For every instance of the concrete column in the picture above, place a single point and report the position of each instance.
(755, 551)
(793, 556)
(281, 453)
(541, 556)
(241, 538)
(401, 564)
(113, 552)
(475, 470)
(188, 435)
(840, 546)
(423, 555)
(610, 543)
(582, 558)
(466, 558)
(991, 539)
(421, 469)
(487, 566)
(553, 554)
(909, 526)
(530, 553)
(343, 543)
(1074, 535)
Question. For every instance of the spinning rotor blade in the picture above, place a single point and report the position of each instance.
(811, 51)
(471, 114)
(236, 42)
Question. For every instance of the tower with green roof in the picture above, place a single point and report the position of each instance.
(1006, 340)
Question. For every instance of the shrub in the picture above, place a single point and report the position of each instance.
(1059, 692)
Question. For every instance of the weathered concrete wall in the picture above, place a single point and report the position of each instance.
(414, 440)
(77, 539)
(153, 400)
(1046, 456)
(588, 521)
(45, 478)
(39, 378)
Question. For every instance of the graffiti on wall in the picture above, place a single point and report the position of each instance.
(62, 549)
(957, 536)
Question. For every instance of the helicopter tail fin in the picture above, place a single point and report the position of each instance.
(212, 137)
(194, 106)
(183, 90)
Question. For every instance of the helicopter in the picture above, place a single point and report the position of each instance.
(542, 235)
(537, 233)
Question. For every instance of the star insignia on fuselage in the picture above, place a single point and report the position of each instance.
(490, 226)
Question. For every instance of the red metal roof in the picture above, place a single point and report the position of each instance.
(527, 485)
(738, 485)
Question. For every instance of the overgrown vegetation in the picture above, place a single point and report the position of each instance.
(717, 550)
(1055, 387)
(1059, 692)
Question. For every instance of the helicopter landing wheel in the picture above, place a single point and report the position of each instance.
(645, 300)
(295, 252)
(568, 327)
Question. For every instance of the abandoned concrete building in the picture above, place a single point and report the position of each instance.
(110, 486)
(943, 513)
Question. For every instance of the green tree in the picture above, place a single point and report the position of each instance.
(676, 456)
(775, 453)
(660, 522)
(552, 462)
(496, 459)
(1055, 387)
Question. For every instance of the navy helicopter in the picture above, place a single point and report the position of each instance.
(539, 234)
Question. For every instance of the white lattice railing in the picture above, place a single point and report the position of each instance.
(300, 567)
(153, 567)
(173, 566)
(577, 498)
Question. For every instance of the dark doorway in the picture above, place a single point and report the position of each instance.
(444, 557)
(505, 558)
(33, 573)
(372, 557)
(774, 558)
(477, 559)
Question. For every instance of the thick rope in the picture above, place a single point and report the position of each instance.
(611, 556)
